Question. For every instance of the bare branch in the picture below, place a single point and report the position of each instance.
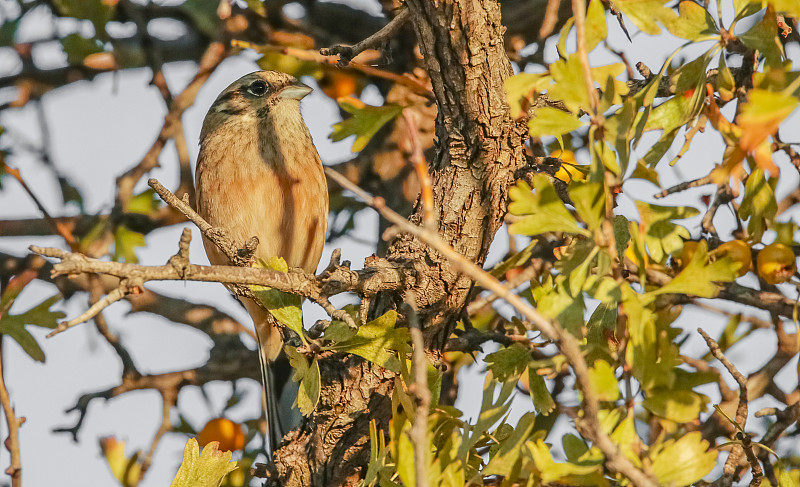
(745, 446)
(347, 53)
(12, 443)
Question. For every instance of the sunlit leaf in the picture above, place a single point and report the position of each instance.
(508, 454)
(520, 87)
(699, 278)
(377, 341)
(540, 395)
(646, 13)
(553, 472)
(690, 452)
(508, 362)
(365, 121)
(681, 406)
(203, 470)
(595, 25)
(125, 244)
(694, 22)
(552, 121)
(124, 468)
(604, 382)
(308, 375)
(759, 205)
(540, 210)
(285, 307)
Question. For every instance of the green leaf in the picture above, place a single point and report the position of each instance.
(491, 412)
(552, 121)
(680, 406)
(556, 302)
(143, 203)
(8, 33)
(662, 235)
(759, 205)
(97, 11)
(520, 87)
(764, 37)
(39, 315)
(694, 22)
(726, 85)
(203, 470)
(699, 278)
(508, 458)
(542, 400)
(589, 200)
(552, 472)
(646, 13)
(78, 47)
(569, 85)
(285, 307)
(308, 377)
(125, 244)
(604, 382)
(690, 452)
(595, 25)
(365, 122)
(203, 14)
(509, 362)
(789, 7)
(377, 341)
(541, 211)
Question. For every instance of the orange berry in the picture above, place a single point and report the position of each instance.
(228, 433)
(739, 252)
(776, 263)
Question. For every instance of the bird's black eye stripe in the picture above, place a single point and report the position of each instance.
(257, 87)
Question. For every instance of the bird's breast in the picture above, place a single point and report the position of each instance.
(276, 193)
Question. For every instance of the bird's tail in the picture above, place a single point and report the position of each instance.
(269, 397)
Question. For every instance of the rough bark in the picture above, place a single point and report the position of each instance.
(479, 148)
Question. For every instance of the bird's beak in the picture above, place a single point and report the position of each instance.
(296, 91)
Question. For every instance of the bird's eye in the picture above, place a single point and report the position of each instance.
(257, 87)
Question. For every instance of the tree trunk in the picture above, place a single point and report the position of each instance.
(478, 150)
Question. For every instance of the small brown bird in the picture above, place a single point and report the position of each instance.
(259, 174)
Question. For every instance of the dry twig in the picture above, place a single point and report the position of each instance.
(347, 53)
(745, 446)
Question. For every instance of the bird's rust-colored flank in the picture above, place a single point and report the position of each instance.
(259, 174)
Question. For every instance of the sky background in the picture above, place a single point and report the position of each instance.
(101, 128)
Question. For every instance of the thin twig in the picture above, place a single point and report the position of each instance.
(56, 225)
(422, 394)
(566, 342)
(741, 419)
(347, 53)
(126, 287)
(168, 397)
(214, 55)
(421, 168)
(684, 186)
(550, 18)
(12, 443)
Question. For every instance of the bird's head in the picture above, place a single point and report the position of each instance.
(256, 97)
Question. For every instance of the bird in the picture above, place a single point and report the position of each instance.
(259, 174)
